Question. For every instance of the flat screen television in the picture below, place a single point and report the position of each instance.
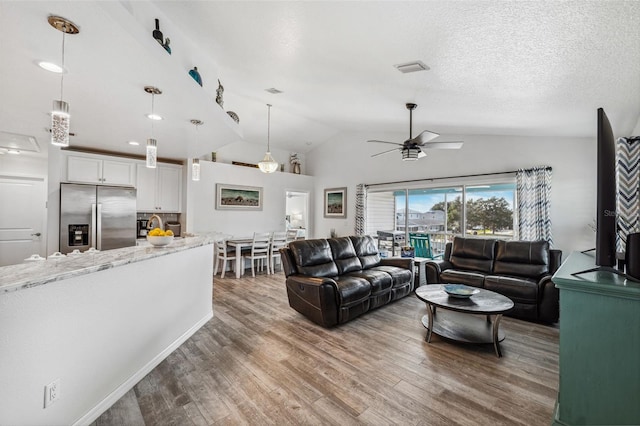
(606, 193)
(606, 225)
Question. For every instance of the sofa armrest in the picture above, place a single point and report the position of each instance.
(400, 262)
(555, 260)
(435, 268)
(548, 300)
(315, 298)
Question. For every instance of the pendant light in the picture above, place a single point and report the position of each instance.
(152, 144)
(195, 162)
(60, 118)
(268, 164)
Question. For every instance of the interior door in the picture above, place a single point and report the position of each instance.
(22, 218)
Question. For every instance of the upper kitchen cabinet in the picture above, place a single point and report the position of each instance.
(99, 170)
(159, 189)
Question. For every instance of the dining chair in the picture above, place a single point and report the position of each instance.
(423, 246)
(292, 235)
(278, 241)
(260, 251)
(223, 253)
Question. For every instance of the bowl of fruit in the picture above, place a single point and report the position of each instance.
(159, 238)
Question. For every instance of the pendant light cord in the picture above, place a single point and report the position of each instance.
(269, 128)
(153, 96)
(62, 74)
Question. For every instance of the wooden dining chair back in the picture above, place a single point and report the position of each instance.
(222, 255)
(278, 241)
(260, 251)
(292, 235)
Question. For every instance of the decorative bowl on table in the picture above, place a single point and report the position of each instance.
(460, 290)
(160, 241)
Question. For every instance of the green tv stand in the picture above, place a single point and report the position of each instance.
(599, 346)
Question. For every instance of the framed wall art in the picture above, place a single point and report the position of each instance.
(238, 197)
(335, 203)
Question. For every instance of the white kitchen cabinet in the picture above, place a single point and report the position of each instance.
(100, 170)
(159, 189)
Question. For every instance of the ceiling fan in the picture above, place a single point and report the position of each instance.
(412, 148)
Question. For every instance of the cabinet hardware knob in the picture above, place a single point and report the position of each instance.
(37, 234)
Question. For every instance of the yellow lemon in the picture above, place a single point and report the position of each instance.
(168, 233)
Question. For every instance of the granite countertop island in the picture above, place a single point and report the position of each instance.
(97, 323)
(32, 274)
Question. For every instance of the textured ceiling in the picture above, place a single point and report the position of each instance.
(497, 67)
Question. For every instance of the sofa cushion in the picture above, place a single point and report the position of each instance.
(344, 255)
(380, 281)
(352, 289)
(520, 290)
(399, 276)
(454, 276)
(473, 254)
(313, 258)
(366, 250)
(522, 258)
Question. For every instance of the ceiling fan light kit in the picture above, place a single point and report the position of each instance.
(412, 148)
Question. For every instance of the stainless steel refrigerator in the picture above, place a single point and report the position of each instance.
(97, 216)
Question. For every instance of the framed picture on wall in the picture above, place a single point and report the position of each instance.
(238, 197)
(335, 203)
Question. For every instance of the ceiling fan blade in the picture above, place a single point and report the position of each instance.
(424, 137)
(386, 152)
(421, 154)
(443, 145)
(393, 143)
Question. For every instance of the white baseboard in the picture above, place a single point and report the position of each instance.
(119, 392)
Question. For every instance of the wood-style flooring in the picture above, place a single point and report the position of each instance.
(260, 362)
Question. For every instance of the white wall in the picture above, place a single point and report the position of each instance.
(253, 153)
(346, 161)
(202, 215)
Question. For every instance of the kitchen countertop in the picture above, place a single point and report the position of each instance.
(32, 274)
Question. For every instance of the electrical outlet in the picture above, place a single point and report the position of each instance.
(51, 393)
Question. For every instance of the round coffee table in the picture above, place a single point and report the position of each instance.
(464, 328)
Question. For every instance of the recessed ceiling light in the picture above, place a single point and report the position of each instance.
(13, 151)
(273, 91)
(412, 66)
(154, 117)
(50, 66)
(134, 143)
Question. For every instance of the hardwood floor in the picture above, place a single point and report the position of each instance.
(260, 362)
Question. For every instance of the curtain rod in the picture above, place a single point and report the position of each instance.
(447, 177)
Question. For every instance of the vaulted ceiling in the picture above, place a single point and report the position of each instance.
(496, 67)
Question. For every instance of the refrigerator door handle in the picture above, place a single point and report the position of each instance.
(92, 243)
(99, 227)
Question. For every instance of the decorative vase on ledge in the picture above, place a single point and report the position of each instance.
(296, 168)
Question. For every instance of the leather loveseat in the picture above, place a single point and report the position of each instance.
(520, 270)
(331, 281)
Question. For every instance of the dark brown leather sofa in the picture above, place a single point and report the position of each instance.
(331, 281)
(520, 270)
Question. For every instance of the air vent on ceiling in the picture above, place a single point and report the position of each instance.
(413, 66)
(273, 91)
(14, 141)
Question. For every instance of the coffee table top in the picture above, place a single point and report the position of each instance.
(485, 302)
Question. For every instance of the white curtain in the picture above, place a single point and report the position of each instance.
(534, 193)
(361, 203)
(628, 181)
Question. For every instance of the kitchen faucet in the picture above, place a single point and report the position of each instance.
(150, 222)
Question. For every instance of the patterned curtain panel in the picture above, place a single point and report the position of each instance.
(361, 201)
(628, 180)
(534, 195)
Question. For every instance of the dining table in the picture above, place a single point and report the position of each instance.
(239, 243)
